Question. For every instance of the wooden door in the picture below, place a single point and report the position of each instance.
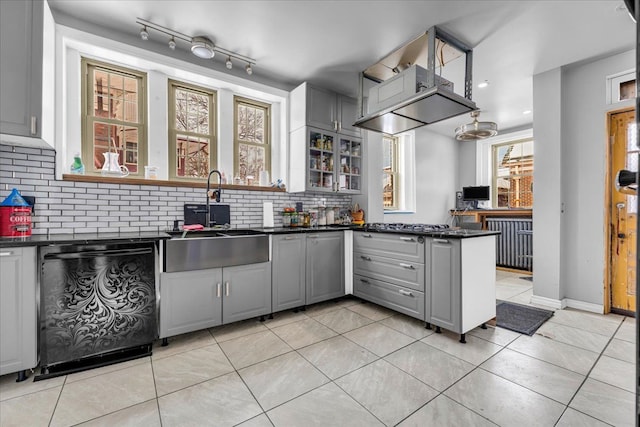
(623, 211)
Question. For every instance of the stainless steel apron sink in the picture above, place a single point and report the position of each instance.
(199, 250)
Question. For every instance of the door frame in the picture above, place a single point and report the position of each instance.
(607, 209)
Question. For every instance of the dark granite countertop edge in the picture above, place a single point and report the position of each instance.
(81, 238)
(451, 234)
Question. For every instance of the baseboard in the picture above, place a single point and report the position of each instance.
(548, 302)
(584, 306)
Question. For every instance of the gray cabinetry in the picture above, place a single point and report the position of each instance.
(247, 291)
(21, 32)
(460, 282)
(389, 270)
(443, 283)
(288, 271)
(18, 330)
(199, 299)
(190, 301)
(325, 266)
(325, 147)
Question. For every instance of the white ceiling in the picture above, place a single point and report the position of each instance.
(329, 42)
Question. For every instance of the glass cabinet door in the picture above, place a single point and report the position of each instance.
(321, 161)
(349, 172)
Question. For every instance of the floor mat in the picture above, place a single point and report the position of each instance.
(520, 318)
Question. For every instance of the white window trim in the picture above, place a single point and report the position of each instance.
(406, 175)
(613, 86)
(484, 159)
(73, 44)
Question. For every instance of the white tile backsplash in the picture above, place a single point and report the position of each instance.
(87, 207)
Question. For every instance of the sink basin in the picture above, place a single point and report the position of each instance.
(203, 249)
(239, 233)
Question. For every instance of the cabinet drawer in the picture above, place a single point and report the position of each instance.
(401, 273)
(406, 247)
(397, 298)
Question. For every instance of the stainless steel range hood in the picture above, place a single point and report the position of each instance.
(408, 94)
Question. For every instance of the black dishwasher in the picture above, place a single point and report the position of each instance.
(97, 305)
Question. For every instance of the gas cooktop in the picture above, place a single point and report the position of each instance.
(396, 226)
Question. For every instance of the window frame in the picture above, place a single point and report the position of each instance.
(395, 175)
(172, 132)
(238, 100)
(494, 171)
(88, 66)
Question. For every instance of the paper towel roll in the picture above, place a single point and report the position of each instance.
(267, 214)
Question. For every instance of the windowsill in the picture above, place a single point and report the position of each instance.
(142, 181)
(394, 212)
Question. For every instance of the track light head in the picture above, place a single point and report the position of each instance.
(172, 43)
(249, 69)
(144, 35)
(229, 64)
(202, 47)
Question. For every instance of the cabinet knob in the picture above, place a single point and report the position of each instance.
(366, 258)
(368, 236)
(405, 293)
(364, 281)
(409, 266)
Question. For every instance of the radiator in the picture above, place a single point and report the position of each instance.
(514, 246)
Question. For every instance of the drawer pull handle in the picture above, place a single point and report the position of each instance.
(226, 289)
(6, 253)
(440, 241)
(368, 236)
(366, 258)
(408, 239)
(405, 293)
(409, 266)
(364, 281)
(218, 290)
(290, 238)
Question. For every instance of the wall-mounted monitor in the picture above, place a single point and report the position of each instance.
(482, 192)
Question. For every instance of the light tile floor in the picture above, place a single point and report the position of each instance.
(349, 363)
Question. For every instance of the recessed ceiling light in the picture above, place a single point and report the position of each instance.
(483, 84)
(526, 112)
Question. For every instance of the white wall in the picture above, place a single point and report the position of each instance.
(547, 190)
(436, 179)
(570, 131)
(584, 157)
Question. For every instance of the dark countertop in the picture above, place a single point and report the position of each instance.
(81, 238)
(289, 230)
(443, 234)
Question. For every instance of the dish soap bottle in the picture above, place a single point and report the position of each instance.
(77, 167)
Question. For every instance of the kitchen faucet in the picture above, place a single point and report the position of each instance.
(217, 193)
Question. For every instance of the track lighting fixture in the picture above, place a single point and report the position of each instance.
(144, 35)
(201, 46)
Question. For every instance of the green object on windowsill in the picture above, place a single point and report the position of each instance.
(77, 167)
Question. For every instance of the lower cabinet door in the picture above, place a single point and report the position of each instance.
(246, 291)
(190, 301)
(325, 266)
(288, 271)
(18, 328)
(403, 300)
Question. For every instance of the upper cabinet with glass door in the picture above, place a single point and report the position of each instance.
(325, 149)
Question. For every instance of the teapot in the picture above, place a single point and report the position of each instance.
(111, 166)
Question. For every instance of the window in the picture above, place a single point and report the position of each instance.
(192, 139)
(113, 119)
(390, 172)
(251, 138)
(513, 174)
